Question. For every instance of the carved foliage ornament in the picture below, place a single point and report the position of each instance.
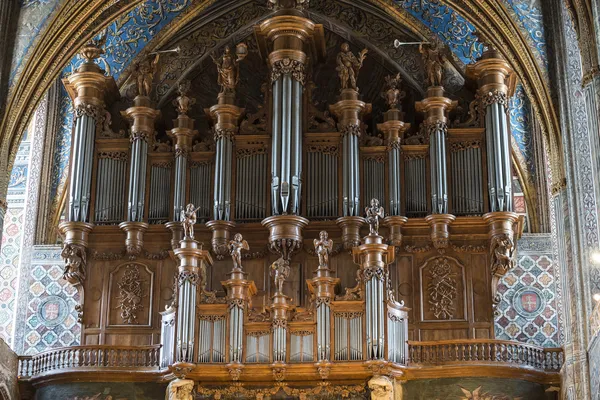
(437, 126)
(187, 276)
(92, 111)
(442, 289)
(130, 294)
(140, 135)
(75, 263)
(223, 133)
(494, 97)
(288, 66)
(350, 129)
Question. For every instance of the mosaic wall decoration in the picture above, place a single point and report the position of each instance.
(528, 310)
(12, 236)
(51, 318)
(520, 126)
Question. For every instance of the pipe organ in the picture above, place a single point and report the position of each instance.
(429, 272)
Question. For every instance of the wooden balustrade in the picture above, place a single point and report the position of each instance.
(485, 351)
(93, 356)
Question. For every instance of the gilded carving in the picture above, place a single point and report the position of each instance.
(130, 294)
(75, 263)
(494, 97)
(180, 389)
(392, 94)
(442, 289)
(437, 126)
(461, 146)
(91, 110)
(350, 129)
(144, 74)
(183, 103)
(288, 66)
(434, 63)
(381, 388)
(371, 140)
(235, 249)
(228, 68)
(348, 66)
(187, 276)
(223, 133)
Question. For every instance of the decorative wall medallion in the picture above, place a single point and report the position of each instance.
(529, 302)
(53, 310)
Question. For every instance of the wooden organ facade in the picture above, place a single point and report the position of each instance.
(280, 178)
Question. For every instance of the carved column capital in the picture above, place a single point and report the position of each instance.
(285, 66)
(495, 96)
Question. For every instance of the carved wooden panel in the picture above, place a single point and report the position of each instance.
(130, 295)
(443, 294)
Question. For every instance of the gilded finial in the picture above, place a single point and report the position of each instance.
(94, 48)
(392, 93)
(183, 103)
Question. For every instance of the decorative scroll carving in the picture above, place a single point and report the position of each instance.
(235, 372)
(306, 316)
(255, 316)
(130, 294)
(95, 255)
(323, 390)
(279, 323)
(113, 155)
(288, 66)
(381, 388)
(141, 135)
(475, 115)
(94, 48)
(320, 121)
(204, 145)
(160, 255)
(297, 4)
(249, 151)
(256, 123)
(350, 129)
(392, 93)
(235, 249)
(469, 248)
(416, 139)
(434, 63)
(460, 146)
(91, 110)
(442, 289)
(75, 263)
(417, 249)
(162, 147)
(324, 371)
(231, 303)
(209, 297)
(355, 293)
(502, 251)
(494, 97)
(187, 276)
(437, 126)
(371, 140)
(373, 213)
(180, 389)
(348, 66)
(279, 373)
(183, 103)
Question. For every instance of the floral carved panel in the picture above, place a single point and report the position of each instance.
(443, 296)
(130, 295)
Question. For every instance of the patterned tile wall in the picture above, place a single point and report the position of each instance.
(528, 309)
(12, 236)
(51, 319)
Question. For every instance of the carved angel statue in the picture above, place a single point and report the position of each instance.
(373, 213)
(188, 219)
(183, 103)
(393, 94)
(75, 261)
(235, 249)
(144, 74)
(348, 66)
(502, 249)
(434, 63)
(228, 69)
(280, 269)
(180, 389)
(381, 388)
(323, 247)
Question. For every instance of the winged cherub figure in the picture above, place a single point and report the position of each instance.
(235, 249)
(323, 247)
(373, 213)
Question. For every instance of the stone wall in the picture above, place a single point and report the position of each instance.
(8, 373)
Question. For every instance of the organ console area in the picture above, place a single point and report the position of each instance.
(296, 243)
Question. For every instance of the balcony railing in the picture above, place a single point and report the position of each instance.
(92, 357)
(463, 352)
(485, 351)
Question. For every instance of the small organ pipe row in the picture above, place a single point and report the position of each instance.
(286, 157)
(160, 187)
(251, 191)
(467, 193)
(323, 332)
(81, 165)
(201, 177)
(351, 174)
(321, 192)
(223, 160)
(137, 177)
(374, 185)
(179, 183)
(110, 188)
(236, 333)
(438, 176)
(279, 343)
(498, 150)
(374, 304)
(186, 315)
(416, 191)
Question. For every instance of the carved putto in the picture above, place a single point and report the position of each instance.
(75, 262)
(348, 66)
(188, 219)
(434, 63)
(180, 389)
(280, 270)
(228, 68)
(183, 103)
(502, 251)
(392, 94)
(381, 388)
(373, 213)
(323, 247)
(144, 74)
(235, 249)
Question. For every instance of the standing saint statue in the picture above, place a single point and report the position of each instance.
(323, 247)
(280, 269)
(144, 73)
(348, 66)
(228, 68)
(434, 63)
(235, 249)
(188, 219)
(373, 213)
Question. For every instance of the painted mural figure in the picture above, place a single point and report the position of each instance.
(348, 66)
(144, 73)
(323, 247)
(434, 63)
(373, 214)
(188, 219)
(280, 269)
(235, 249)
(180, 389)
